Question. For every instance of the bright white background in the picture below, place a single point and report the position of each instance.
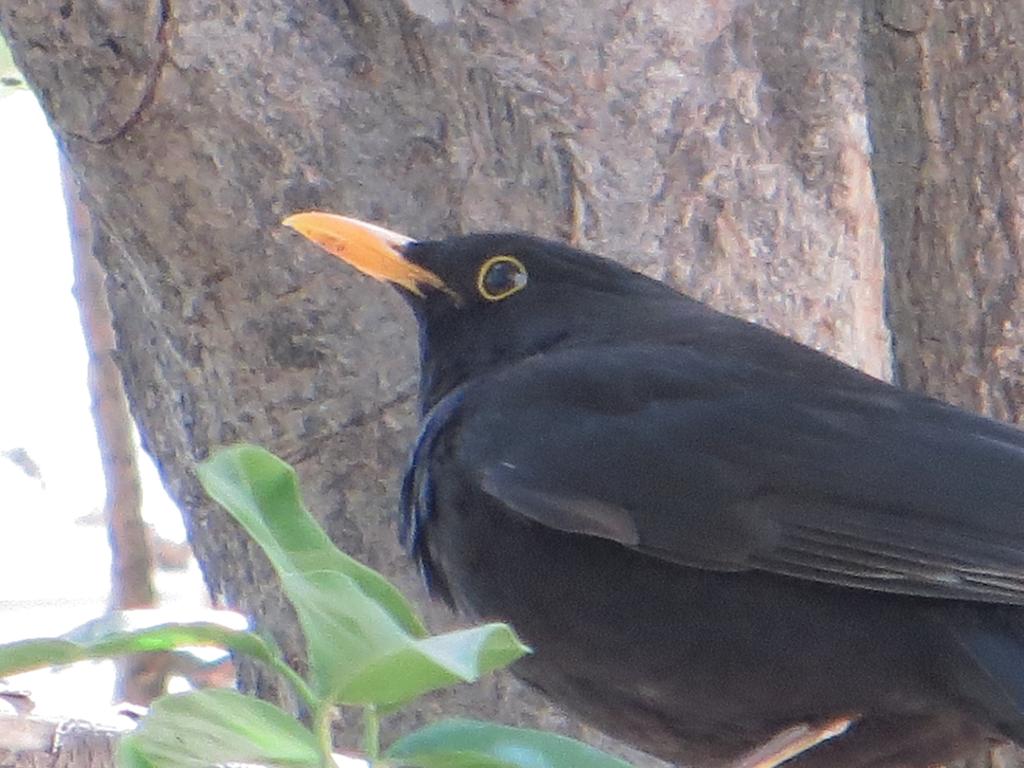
(54, 559)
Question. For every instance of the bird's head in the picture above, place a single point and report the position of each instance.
(486, 300)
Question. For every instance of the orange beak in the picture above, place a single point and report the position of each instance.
(371, 249)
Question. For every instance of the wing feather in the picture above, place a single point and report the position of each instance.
(704, 461)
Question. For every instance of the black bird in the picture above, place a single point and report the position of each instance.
(725, 547)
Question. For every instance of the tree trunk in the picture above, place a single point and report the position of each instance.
(947, 82)
(724, 147)
(140, 678)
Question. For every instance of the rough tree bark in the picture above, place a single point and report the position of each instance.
(725, 147)
(946, 83)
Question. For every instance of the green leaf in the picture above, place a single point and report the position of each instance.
(262, 494)
(365, 644)
(130, 755)
(358, 655)
(216, 726)
(432, 663)
(475, 744)
(88, 643)
(345, 630)
(10, 78)
(26, 655)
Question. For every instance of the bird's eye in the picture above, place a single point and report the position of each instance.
(500, 277)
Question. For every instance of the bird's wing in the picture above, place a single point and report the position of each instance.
(713, 462)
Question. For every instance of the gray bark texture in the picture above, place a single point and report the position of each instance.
(850, 173)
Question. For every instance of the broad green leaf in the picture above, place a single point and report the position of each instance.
(10, 78)
(216, 726)
(136, 619)
(130, 755)
(85, 643)
(474, 744)
(262, 494)
(26, 655)
(345, 630)
(432, 663)
(365, 644)
(358, 655)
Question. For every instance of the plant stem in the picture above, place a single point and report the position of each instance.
(371, 734)
(301, 687)
(322, 730)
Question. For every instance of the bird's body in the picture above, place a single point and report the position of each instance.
(701, 667)
(710, 534)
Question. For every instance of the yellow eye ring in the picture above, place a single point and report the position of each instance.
(499, 277)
